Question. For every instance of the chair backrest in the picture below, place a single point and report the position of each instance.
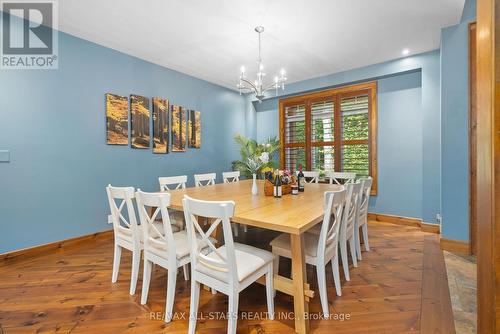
(221, 211)
(351, 208)
(154, 238)
(364, 195)
(229, 177)
(313, 176)
(337, 177)
(208, 178)
(122, 212)
(334, 202)
(175, 182)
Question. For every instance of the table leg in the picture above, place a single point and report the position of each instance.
(301, 307)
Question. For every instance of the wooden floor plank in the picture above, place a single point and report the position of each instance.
(437, 314)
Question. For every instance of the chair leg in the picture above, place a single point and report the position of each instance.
(136, 263)
(185, 268)
(193, 308)
(146, 278)
(352, 245)
(345, 264)
(365, 236)
(358, 244)
(235, 229)
(233, 313)
(116, 263)
(320, 272)
(276, 266)
(245, 228)
(270, 292)
(169, 304)
(336, 275)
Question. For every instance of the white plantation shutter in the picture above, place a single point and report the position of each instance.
(295, 136)
(322, 135)
(355, 135)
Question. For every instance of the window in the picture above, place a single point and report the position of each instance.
(332, 130)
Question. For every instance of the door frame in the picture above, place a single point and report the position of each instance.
(472, 139)
(488, 168)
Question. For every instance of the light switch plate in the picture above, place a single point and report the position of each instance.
(4, 156)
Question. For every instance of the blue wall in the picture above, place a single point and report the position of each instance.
(399, 146)
(53, 122)
(408, 96)
(455, 125)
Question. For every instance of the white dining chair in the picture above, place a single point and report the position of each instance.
(127, 232)
(229, 268)
(173, 183)
(320, 249)
(341, 177)
(201, 180)
(229, 177)
(161, 246)
(362, 220)
(310, 176)
(347, 227)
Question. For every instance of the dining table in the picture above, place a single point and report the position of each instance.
(292, 214)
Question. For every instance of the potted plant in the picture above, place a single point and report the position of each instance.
(255, 157)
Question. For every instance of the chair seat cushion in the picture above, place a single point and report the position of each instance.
(127, 232)
(311, 243)
(176, 220)
(182, 247)
(248, 260)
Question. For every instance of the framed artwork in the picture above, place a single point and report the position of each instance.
(178, 129)
(139, 108)
(116, 119)
(160, 125)
(194, 129)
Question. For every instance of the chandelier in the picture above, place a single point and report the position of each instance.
(258, 87)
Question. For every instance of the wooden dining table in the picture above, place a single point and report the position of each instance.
(292, 214)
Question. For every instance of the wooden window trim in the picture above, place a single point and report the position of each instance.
(335, 95)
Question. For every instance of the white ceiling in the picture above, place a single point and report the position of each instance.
(211, 39)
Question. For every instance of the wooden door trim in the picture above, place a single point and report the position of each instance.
(472, 139)
(487, 151)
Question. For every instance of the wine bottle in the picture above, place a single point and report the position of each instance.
(275, 185)
(279, 188)
(301, 179)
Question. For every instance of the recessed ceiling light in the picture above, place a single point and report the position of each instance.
(405, 52)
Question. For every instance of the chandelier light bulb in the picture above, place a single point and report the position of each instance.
(242, 69)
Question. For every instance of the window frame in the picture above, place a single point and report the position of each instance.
(336, 95)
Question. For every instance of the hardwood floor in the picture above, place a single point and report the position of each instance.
(395, 289)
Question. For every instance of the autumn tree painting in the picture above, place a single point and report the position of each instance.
(139, 107)
(178, 129)
(116, 119)
(194, 129)
(160, 125)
